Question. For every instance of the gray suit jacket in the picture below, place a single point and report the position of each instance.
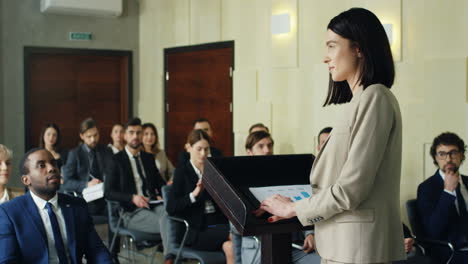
(355, 179)
(76, 171)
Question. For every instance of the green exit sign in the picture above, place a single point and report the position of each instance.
(80, 36)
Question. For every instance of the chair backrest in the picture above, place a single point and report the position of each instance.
(165, 194)
(112, 214)
(414, 218)
(174, 229)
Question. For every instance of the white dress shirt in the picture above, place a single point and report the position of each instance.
(136, 176)
(463, 190)
(464, 193)
(199, 174)
(41, 206)
(113, 148)
(5, 197)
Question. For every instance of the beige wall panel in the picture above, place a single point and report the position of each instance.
(247, 22)
(446, 28)
(292, 111)
(180, 21)
(414, 31)
(408, 78)
(205, 21)
(313, 21)
(284, 46)
(388, 12)
(156, 33)
(239, 143)
(249, 108)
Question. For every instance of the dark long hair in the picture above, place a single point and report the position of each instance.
(365, 32)
(155, 147)
(59, 136)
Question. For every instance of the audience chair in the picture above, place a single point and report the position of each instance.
(133, 238)
(419, 234)
(179, 249)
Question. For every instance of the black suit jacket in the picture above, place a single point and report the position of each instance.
(76, 169)
(437, 208)
(120, 184)
(179, 204)
(184, 156)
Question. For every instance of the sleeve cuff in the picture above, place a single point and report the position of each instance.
(192, 198)
(450, 192)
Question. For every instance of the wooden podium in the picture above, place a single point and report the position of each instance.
(228, 179)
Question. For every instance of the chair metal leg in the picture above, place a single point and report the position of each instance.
(132, 249)
(127, 245)
(154, 254)
(116, 232)
(258, 248)
(453, 253)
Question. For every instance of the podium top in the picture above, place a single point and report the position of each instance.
(228, 180)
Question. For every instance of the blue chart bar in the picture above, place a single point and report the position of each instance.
(305, 194)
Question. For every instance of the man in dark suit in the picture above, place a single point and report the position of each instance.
(135, 182)
(442, 199)
(44, 226)
(205, 125)
(87, 165)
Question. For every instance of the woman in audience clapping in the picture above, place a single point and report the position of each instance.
(50, 139)
(209, 229)
(6, 194)
(151, 145)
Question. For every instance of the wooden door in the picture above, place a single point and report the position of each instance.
(65, 86)
(199, 84)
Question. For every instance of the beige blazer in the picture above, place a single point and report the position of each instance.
(355, 180)
(164, 165)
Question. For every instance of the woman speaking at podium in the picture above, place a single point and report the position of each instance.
(355, 178)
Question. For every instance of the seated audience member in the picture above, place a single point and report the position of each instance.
(135, 181)
(6, 193)
(44, 226)
(50, 139)
(442, 199)
(258, 127)
(205, 125)
(117, 136)
(87, 165)
(261, 143)
(209, 228)
(322, 137)
(151, 145)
